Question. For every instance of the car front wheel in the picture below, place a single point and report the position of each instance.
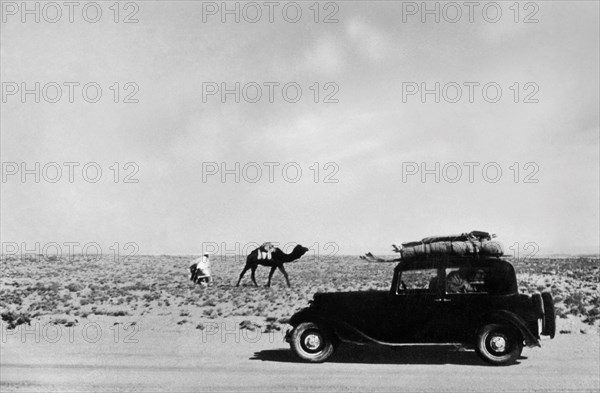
(499, 344)
(311, 342)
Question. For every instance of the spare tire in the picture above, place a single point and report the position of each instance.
(549, 328)
(538, 305)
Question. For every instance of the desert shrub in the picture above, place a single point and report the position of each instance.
(574, 299)
(51, 287)
(14, 319)
(151, 296)
(210, 313)
(138, 286)
(59, 321)
(246, 324)
(209, 303)
(118, 313)
(74, 287)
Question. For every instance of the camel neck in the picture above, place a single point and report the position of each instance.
(288, 257)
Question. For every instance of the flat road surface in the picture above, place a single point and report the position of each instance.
(232, 360)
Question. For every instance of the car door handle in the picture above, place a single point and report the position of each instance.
(442, 300)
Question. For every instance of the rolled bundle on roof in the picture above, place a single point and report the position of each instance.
(492, 248)
(466, 244)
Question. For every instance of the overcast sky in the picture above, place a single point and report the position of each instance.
(370, 136)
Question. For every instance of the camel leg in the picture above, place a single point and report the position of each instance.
(271, 275)
(242, 275)
(287, 279)
(253, 277)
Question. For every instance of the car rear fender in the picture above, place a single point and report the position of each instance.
(512, 319)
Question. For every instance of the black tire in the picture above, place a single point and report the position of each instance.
(549, 321)
(538, 305)
(499, 344)
(312, 342)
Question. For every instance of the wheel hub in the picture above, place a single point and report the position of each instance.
(498, 343)
(312, 342)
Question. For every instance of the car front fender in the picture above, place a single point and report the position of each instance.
(305, 315)
(310, 314)
(340, 329)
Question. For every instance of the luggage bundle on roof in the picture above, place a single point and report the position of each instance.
(475, 243)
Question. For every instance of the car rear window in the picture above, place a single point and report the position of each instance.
(469, 280)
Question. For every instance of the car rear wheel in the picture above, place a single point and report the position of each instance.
(499, 344)
(312, 342)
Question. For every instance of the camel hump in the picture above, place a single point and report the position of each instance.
(267, 246)
(265, 250)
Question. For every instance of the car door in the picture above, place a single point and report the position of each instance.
(414, 307)
(462, 299)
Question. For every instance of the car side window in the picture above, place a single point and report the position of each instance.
(466, 280)
(418, 280)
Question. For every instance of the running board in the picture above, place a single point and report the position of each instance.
(457, 344)
(388, 344)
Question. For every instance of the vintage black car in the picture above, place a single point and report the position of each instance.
(469, 301)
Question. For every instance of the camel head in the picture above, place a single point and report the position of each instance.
(299, 251)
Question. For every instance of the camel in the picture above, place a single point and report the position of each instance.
(278, 258)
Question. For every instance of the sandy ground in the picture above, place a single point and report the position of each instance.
(146, 357)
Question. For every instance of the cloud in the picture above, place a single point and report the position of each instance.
(325, 55)
(360, 40)
(370, 43)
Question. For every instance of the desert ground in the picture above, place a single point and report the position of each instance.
(139, 324)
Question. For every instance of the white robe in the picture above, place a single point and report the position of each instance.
(203, 264)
